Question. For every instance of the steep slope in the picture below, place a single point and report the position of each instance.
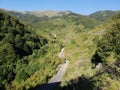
(108, 53)
(17, 41)
(26, 58)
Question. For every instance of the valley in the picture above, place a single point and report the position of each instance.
(59, 48)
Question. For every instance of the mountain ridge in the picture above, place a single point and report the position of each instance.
(60, 11)
(104, 15)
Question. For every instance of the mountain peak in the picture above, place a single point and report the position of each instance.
(49, 13)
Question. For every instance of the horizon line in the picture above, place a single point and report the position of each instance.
(58, 10)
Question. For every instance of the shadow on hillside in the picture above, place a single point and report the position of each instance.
(81, 83)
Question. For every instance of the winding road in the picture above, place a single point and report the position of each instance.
(55, 80)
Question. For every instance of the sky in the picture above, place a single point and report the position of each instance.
(78, 6)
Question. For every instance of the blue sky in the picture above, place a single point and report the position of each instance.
(79, 6)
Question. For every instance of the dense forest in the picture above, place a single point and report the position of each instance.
(21, 53)
(30, 43)
(17, 42)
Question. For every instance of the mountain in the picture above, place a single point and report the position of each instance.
(49, 13)
(55, 22)
(101, 16)
(104, 15)
(33, 17)
(27, 16)
(28, 60)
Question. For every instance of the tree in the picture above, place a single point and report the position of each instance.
(109, 43)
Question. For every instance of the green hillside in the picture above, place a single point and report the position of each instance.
(17, 42)
(27, 17)
(86, 76)
(108, 53)
(29, 51)
(24, 55)
(104, 15)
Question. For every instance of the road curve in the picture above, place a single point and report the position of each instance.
(55, 80)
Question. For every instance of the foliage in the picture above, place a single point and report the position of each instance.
(27, 17)
(109, 44)
(104, 15)
(14, 46)
(108, 53)
(28, 60)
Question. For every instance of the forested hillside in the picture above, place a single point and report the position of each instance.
(22, 55)
(108, 53)
(104, 15)
(105, 69)
(44, 20)
(30, 43)
(108, 48)
(26, 17)
(16, 43)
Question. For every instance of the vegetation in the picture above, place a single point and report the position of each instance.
(108, 53)
(24, 54)
(108, 48)
(27, 17)
(28, 60)
(104, 15)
